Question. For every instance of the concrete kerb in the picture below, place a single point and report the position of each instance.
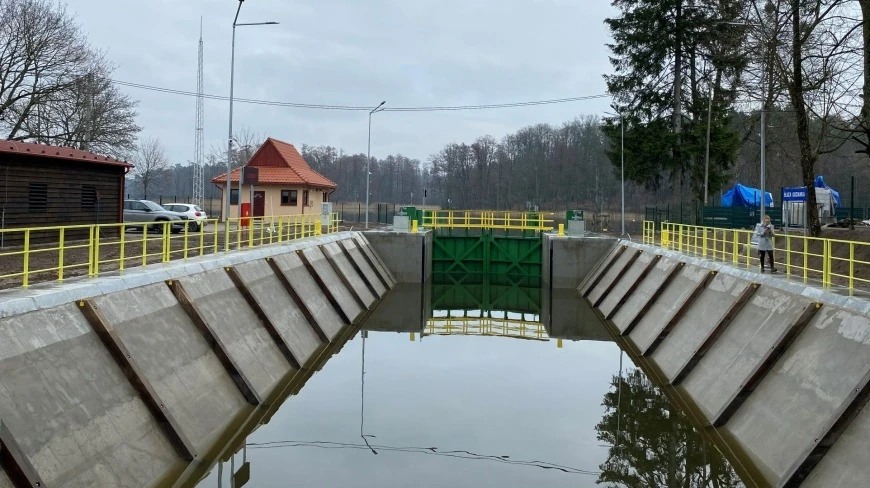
(47, 295)
(110, 285)
(857, 305)
(16, 306)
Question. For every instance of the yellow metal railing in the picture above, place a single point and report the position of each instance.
(55, 253)
(486, 326)
(649, 232)
(828, 261)
(483, 219)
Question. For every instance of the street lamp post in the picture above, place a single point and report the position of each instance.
(622, 166)
(707, 154)
(228, 185)
(763, 150)
(762, 130)
(369, 159)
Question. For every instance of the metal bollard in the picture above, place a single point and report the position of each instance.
(413, 226)
(561, 229)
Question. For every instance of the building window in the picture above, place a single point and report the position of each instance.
(234, 196)
(89, 198)
(305, 201)
(289, 198)
(38, 198)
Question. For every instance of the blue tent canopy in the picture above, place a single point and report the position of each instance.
(744, 196)
(820, 183)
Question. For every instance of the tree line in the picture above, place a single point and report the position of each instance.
(542, 166)
(551, 167)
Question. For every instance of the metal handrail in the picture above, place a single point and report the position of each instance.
(485, 219)
(828, 261)
(54, 253)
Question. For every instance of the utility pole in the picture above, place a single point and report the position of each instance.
(369, 159)
(707, 153)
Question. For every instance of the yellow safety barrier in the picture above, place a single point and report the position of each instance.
(828, 261)
(482, 219)
(486, 326)
(649, 232)
(32, 254)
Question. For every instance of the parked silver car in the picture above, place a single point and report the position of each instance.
(148, 212)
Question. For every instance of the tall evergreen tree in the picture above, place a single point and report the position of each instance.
(669, 58)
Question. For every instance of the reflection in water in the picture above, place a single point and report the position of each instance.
(362, 397)
(652, 444)
(457, 411)
(453, 410)
(487, 293)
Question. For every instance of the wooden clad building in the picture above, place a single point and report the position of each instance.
(43, 185)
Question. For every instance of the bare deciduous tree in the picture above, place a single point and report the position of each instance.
(91, 114)
(152, 166)
(863, 119)
(54, 87)
(811, 52)
(245, 144)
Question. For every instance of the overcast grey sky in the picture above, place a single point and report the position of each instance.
(355, 52)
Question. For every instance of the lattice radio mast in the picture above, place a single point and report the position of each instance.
(198, 170)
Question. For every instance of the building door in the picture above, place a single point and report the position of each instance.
(259, 203)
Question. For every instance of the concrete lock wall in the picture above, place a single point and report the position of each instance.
(407, 256)
(574, 258)
(142, 378)
(774, 372)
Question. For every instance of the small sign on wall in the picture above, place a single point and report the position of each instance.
(251, 175)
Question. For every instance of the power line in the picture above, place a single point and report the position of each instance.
(240, 100)
(432, 451)
(496, 105)
(316, 106)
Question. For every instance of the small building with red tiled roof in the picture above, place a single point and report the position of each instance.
(285, 184)
(43, 186)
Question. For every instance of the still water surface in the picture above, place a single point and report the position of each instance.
(460, 410)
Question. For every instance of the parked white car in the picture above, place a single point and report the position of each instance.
(193, 212)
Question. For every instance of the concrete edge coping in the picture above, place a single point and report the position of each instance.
(420, 232)
(46, 295)
(588, 235)
(811, 292)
